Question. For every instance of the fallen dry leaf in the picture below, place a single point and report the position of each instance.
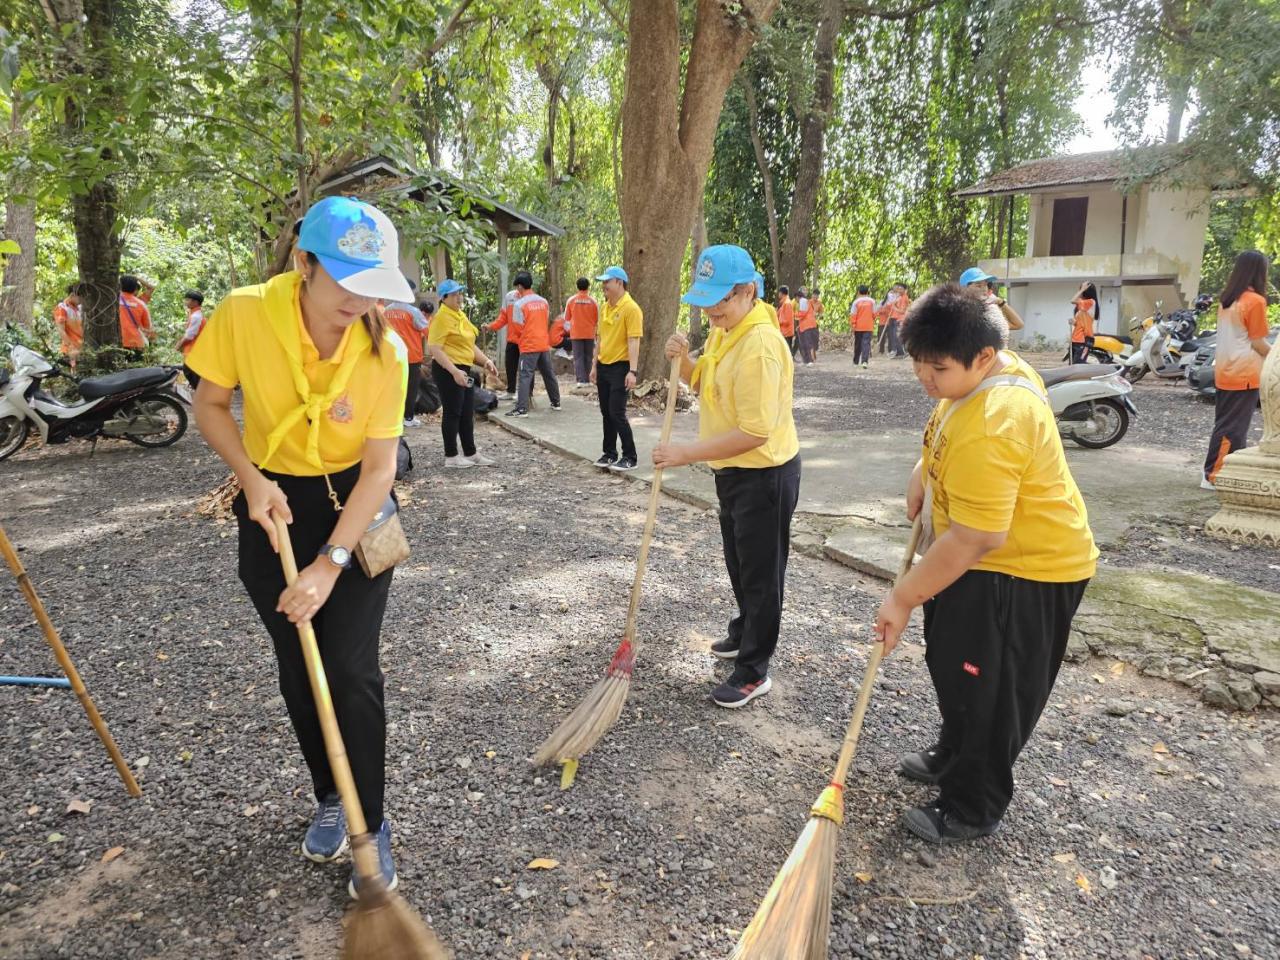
(1057, 781)
(56, 838)
(543, 863)
(33, 810)
(862, 877)
(1083, 883)
(735, 754)
(1117, 668)
(1064, 857)
(249, 811)
(112, 854)
(162, 655)
(1159, 747)
(79, 806)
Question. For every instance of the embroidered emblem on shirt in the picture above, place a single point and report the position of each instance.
(970, 669)
(361, 242)
(341, 411)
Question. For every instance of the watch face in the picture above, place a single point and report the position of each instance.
(340, 555)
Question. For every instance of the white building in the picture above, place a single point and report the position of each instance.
(1137, 247)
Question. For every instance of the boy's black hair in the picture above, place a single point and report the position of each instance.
(584, 283)
(426, 306)
(947, 323)
(863, 290)
(129, 283)
(195, 295)
(524, 279)
(785, 289)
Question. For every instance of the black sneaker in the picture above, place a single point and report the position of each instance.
(725, 649)
(734, 693)
(925, 766)
(606, 461)
(934, 823)
(518, 413)
(626, 463)
(556, 406)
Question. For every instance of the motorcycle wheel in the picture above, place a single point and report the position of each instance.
(1134, 374)
(1114, 419)
(13, 434)
(158, 405)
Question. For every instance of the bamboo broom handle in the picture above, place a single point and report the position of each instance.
(68, 668)
(655, 491)
(873, 664)
(366, 857)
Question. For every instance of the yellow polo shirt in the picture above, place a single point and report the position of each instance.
(452, 330)
(248, 342)
(753, 388)
(618, 323)
(773, 312)
(1000, 466)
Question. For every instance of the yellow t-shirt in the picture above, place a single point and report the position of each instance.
(1000, 466)
(773, 312)
(753, 391)
(618, 323)
(452, 330)
(248, 341)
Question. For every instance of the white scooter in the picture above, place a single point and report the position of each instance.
(1169, 344)
(1090, 402)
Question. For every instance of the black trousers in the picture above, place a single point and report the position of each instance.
(1079, 352)
(808, 340)
(861, 347)
(583, 351)
(755, 526)
(791, 344)
(993, 647)
(411, 395)
(611, 389)
(1232, 417)
(895, 342)
(458, 411)
(511, 360)
(347, 631)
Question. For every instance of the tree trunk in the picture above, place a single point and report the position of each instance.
(1178, 92)
(766, 175)
(554, 286)
(18, 296)
(668, 136)
(813, 137)
(697, 243)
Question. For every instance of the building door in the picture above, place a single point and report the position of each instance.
(1066, 237)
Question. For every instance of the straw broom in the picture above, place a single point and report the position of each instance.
(600, 709)
(381, 925)
(794, 921)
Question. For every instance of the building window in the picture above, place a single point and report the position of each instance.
(1066, 237)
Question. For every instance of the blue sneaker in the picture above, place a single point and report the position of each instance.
(383, 839)
(326, 838)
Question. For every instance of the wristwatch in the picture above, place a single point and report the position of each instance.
(338, 556)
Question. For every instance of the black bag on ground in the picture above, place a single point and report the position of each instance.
(428, 399)
(484, 400)
(404, 459)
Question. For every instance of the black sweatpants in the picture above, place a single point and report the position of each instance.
(511, 360)
(755, 526)
(583, 351)
(1232, 417)
(861, 347)
(458, 411)
(993, 647)
(411, 396)
(347, 631)
(611, 389)
(541, 363)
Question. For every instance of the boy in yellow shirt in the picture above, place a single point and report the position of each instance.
(1007, 553)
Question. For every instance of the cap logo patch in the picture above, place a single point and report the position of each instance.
(361, 242)
(706, 269)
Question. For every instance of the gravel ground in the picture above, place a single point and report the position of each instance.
(1144, 825)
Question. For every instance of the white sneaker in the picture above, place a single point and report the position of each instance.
(412, 423)
(480, 460)
(508, 395)
(1207, 484)
(458, 463)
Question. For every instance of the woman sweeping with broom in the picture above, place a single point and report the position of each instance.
(324, 389)
(747, 434)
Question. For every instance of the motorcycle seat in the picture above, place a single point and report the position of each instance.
(1120, 337)
(123, 381)
(1077, 371)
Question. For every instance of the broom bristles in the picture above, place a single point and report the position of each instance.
(794, 920)
(383, 927)
(591, 719)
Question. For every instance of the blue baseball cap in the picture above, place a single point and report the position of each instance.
(615, 273)
(448, 287)
(759, 286)
(719, 270)
(357, 245)
(973, 275)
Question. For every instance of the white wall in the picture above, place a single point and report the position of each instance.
(1046, 308)
(1174, 223)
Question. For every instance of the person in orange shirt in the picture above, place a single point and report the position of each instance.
(1237, 370)
(410, 324)
(583, 313)
(1086, 304)
(787, 318)
(532, 314)
(897, 312)
(511, 360)
(135, 318)
(862, 319)
(70, 324)
(806, 328)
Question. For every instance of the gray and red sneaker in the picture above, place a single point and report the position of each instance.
(734, 692)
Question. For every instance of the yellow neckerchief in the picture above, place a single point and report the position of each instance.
(719, 343)
(284, 316)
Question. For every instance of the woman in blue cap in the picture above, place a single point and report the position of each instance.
(452, 342)
(978, 283)
(324, 389)
(747, 435)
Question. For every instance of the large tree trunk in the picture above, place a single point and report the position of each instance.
(18, 289)
(794, 260)
(667, 140)
(766, 176)
(697, 243)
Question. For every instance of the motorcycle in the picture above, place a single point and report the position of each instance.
(1169, 343)
(137, 405)
(1091, 403)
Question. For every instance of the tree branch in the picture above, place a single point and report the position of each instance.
(880, 13)
(614, 15)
